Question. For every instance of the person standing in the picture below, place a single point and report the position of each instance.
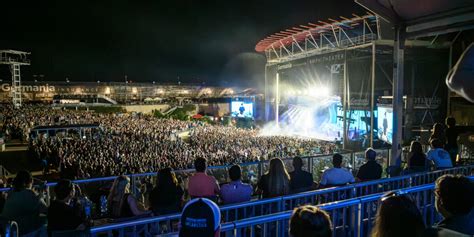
(438, 156)
(438, 132)
(452, 134)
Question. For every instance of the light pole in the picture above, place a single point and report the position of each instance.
(126, 88)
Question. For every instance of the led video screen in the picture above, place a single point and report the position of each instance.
(385, 123)
(241, 109)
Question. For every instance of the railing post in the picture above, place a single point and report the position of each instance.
(359, 225)
(310, 164)
(353, 159)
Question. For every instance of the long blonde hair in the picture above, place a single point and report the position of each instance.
(120, 187)
(278, 178)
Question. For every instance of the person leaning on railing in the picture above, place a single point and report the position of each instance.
(66, 205)
(27, 207)
(121, 201)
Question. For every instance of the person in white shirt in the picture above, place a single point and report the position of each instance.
(438, 156)
(337, 175)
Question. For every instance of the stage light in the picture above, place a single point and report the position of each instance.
(107, 90)
(134, 90)
(325, 91)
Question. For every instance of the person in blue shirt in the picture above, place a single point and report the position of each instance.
(236, 191)
(438, 156)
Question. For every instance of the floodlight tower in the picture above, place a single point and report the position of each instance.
(15, 59)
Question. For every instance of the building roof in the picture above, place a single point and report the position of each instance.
(424, 17)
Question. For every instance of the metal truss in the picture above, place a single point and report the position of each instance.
(311, 39)
(15, 59)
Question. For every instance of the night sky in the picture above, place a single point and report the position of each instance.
(163, 41)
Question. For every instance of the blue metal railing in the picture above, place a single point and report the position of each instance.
(251, 171)
(352, 217)
(165, 224)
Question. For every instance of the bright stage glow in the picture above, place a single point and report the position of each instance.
(310, 117)
(317, 92)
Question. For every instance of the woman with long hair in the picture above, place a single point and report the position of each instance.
(398, 216)
(416, 161)
(167, 196)
(276, 182)
(438, 132)
(121, 202)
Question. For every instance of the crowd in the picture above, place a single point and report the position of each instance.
(136, 143)
(397, 214)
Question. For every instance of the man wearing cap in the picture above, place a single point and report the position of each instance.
(200, 218)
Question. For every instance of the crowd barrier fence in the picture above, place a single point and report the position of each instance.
(264, 207)
(351, 217)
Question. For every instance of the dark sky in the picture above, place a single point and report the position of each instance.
(197, 41)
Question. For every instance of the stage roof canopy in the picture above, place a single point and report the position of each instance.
(312, 30)
(424, 17)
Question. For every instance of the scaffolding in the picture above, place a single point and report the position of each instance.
(15, 59)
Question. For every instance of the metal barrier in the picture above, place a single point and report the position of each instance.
(352, 217)
(288, 202)
(264, 207)
(251, 172)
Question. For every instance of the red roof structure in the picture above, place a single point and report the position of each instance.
(300, 33)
